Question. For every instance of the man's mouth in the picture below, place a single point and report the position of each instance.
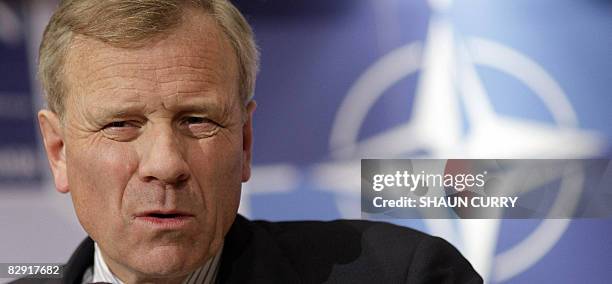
(164, 213)
(164, 216)
(165, 219)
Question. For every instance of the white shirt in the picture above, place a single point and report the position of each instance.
(206, 274)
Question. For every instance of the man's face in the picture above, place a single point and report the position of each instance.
(154, 147)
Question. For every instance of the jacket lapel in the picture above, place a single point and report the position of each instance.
(251, 255)
(81, 259)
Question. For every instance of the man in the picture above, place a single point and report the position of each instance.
(149, 128)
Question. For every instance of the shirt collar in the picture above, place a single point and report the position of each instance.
(206, 274)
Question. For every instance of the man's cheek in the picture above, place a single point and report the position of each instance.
(116, 157)
(99, 176)
(216, 167)
(220, 168)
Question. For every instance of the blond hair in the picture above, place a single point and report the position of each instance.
(131, 23)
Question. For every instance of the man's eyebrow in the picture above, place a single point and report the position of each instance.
(118, 110)
(196, 103)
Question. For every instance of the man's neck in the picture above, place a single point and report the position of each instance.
(105, 267)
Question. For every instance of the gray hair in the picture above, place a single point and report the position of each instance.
(131, 23)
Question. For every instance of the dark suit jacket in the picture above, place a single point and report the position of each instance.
(320, 252)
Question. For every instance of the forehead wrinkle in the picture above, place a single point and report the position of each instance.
(117, 66)
(109, 77)
(118, 101)
(186, 77)
(190, 101)
(192, 68)
(121, 83)
(194, 61)
(186, 74)
(116, 110)
(120, 90)
(98, 57)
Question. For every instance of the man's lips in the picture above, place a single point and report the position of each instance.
(165, 219)
(164, 214)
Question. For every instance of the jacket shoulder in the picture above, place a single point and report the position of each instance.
(368, 251)
(341, 235)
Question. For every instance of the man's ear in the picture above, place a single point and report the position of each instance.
(247, 141)
(53, 138)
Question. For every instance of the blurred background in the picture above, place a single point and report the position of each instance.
(349, 79)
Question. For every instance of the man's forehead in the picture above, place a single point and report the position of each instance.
(187, 45)
(197, 42)
(170, 102)
(193, 59)
(129, 105)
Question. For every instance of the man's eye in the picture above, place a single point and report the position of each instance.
(117, 124)
(190, 120)
(194, 120)
(121, 130)
(199, 127)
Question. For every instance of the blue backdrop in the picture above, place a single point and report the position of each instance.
(346, 79)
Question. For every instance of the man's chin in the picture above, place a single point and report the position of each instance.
(167, 262)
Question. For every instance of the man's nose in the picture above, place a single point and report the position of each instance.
(163, 159)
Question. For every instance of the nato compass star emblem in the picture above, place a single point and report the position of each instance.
(446, 63)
